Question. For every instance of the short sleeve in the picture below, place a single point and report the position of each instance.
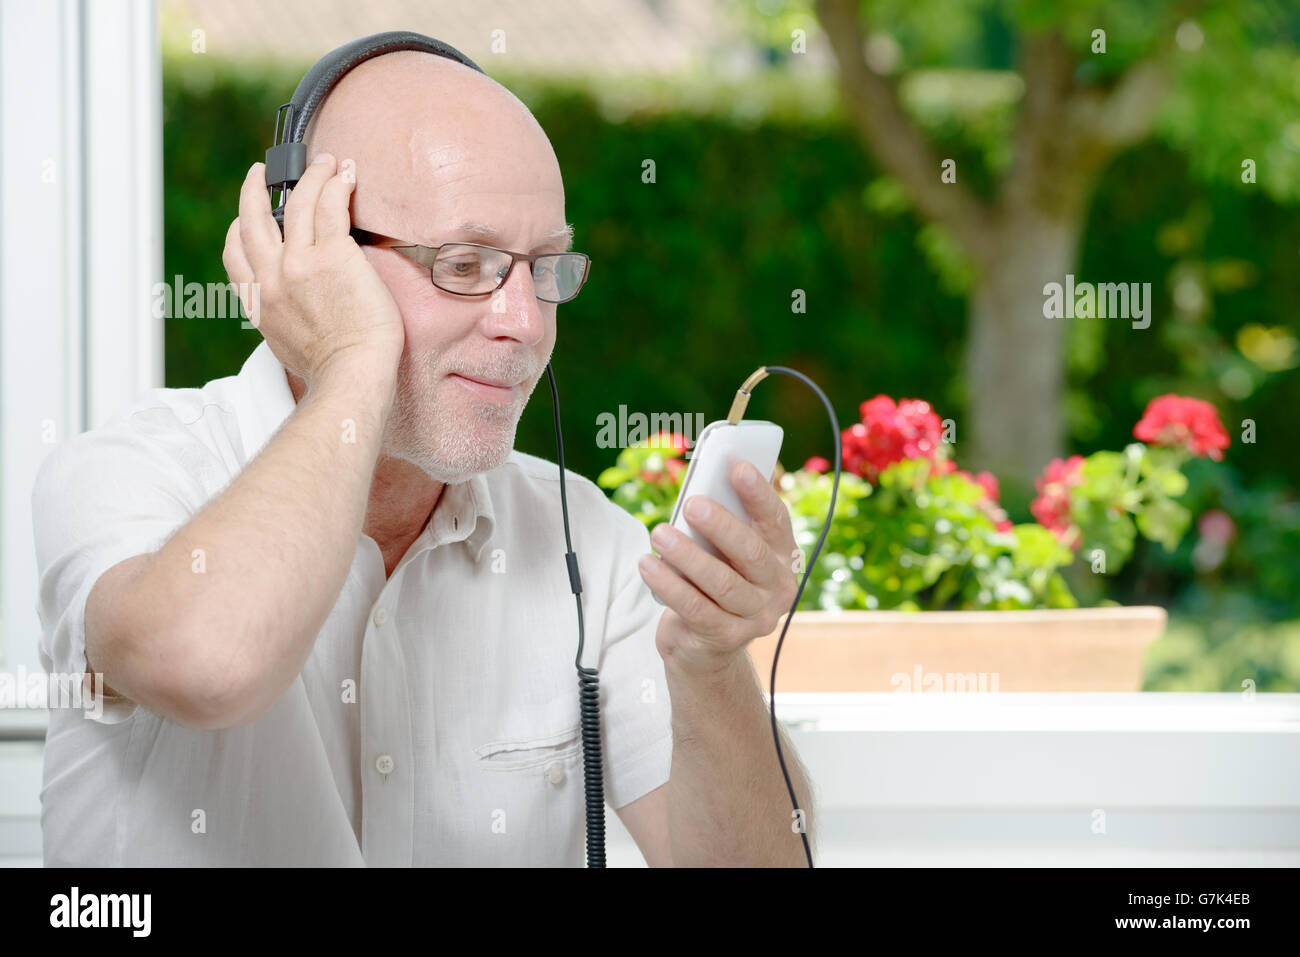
(635, 707)
(100, 498)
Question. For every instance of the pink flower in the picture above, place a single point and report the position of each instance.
(1175, 420)
(817, 464)
(1052, 506)
(891, 432)
(1217, 526)
(990, 483)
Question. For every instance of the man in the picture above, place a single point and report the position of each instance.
(328, 599)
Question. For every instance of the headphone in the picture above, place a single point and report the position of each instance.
(286, 161)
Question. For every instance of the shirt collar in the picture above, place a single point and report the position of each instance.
(464, 512)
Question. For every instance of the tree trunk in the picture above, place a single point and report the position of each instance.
(1015, 368)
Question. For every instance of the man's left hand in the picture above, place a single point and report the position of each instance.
(716, 608)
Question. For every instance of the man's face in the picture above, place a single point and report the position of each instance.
(479, 159)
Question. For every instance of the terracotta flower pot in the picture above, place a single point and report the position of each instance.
(1083, 649)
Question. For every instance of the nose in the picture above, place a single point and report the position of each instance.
(514, 310)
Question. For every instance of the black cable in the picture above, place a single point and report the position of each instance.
(588, 678)
(835, 487)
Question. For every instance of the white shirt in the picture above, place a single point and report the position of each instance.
(436, 720)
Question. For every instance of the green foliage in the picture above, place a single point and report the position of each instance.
(1255, 577)
(1232, 90)
(1129, 492)
(216, 122)
(916, 540)
(642, 481)
(1236, 98)
(1254, 657)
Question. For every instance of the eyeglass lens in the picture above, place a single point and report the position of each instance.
(474, 270)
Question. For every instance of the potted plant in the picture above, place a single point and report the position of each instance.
(924, 583)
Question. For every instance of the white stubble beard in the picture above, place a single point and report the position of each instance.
(451, 442)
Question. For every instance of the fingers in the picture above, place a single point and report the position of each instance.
(233, 258)
(745, 548)
(713, 577)
(701, 616)
(332, 217)
(771, 518)
(241, 273)
(258, 234)
(300, 210)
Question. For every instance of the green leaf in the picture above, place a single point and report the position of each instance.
(1165, 522)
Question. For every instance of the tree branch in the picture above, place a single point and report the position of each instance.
(1066, 134)
(891, 137)
(1127, 114)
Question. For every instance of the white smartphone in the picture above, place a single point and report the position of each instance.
(715, 453)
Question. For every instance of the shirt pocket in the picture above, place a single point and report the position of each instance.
(520, 754)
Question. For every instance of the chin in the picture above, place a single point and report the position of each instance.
(453, 457)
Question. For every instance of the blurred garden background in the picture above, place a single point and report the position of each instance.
(798, 214)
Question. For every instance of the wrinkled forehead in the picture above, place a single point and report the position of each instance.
(433, 142)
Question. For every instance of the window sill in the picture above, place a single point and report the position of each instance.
(23, 724)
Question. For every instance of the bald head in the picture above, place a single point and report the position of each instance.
(435, 145)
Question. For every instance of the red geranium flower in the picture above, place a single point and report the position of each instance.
(1052, 506)
(1176, 420)
(890, 432)
(817, 464)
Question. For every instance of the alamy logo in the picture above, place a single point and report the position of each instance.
(922, 680)
(207, 300)
(18, 689)
(623, 431)
(102, 910)
(1107, 300)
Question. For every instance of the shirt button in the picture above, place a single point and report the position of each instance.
(380, 616)
(555, 774)
(384, 764)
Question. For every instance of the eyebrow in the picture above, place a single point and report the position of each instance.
(561, 236)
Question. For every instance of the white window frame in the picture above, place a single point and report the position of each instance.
(80, 248)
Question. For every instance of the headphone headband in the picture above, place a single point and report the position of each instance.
(286, 160)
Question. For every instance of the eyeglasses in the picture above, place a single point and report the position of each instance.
(472, 269)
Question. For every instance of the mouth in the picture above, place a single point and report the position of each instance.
(490, 389)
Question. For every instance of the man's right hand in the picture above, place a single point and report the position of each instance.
(319, 300)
